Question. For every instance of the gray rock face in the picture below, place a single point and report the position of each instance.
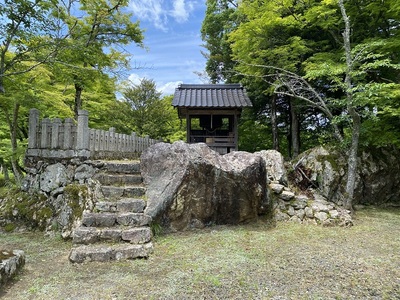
(377, 180)
(53, 177)
(189, 185)
(275, 165)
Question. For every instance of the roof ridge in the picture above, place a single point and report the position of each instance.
(211, 95)
(209, 86)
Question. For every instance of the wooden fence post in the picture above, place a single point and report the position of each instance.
(33, 128)
(55, 133)
(68, 142)
(45, 132)
(82, 140)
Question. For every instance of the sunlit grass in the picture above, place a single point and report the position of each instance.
(253, 261)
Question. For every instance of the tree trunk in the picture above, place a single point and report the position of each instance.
(274, 124)
(289, 130)
(352, 160)
(4, 170)
(78, 99)
(2, 90)
(14, 144)
(356, 120)
(294, 128)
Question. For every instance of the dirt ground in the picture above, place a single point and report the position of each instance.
(253, 261)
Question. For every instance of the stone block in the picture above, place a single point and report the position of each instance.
(130, 251)
(112, 191)
(111, 234)
(10, 266)
(137, 235)
(134, 191)
(105, 219)
(133, 219)
(106, 206)
(99, 219)
(131, 205)
(91, 253)
(85, 235)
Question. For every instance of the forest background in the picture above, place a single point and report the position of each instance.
(319, 72)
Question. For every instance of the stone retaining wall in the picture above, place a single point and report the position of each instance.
(308, 210)
(56, 193)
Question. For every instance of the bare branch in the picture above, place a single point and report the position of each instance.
(293, 85)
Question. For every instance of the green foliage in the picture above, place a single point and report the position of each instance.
(305, 38)
(156, 229)
(148, 113)
(219, 21)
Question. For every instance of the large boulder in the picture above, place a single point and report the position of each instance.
(192, 186)
(275, 164)
(377, 181)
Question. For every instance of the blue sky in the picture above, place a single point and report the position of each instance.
(172, 36)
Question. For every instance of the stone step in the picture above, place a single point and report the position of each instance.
(118, 179)
(107, 252)
(124, 167)
(121, 205)
(91, 235)
(111, 192)
(115, 219)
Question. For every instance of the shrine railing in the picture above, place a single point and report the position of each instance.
(56, 138)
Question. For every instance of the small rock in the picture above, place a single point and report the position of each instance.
(286, 195)
(300, 213)
(276, 188)
(291, 212)
(281, 216)
(310, 222)
(318, 206)
(309, 212)
(300, 202)
(295, 219)
(321, 216)
(333, 213)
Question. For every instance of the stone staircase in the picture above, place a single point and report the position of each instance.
(117, 229)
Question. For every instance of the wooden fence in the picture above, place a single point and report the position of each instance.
(54, 138)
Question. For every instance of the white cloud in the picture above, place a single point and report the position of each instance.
(169, 87)
(134, 79)
(151, 10)
(182, 10)
(160, 11)
(164, 88)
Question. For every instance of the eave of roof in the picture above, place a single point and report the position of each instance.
(211, 96)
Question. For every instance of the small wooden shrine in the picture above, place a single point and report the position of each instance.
(212, 112)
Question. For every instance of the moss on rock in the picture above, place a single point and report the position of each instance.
(76, 197)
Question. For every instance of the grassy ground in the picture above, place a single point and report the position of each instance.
(245, 262)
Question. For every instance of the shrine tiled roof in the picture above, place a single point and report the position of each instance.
(211, 96)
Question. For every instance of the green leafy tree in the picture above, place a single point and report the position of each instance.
(149, 114)
(99, 30)
(30, 36)
(317, 52)
(220, 19)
